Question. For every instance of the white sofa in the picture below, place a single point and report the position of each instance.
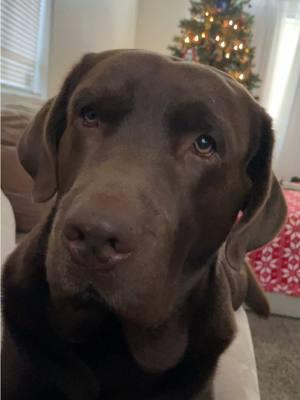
(236, 375)
(8, 228)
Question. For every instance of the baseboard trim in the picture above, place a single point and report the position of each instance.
(281, 304)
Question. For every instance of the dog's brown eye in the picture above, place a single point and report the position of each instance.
(205, 145)
(90, 117)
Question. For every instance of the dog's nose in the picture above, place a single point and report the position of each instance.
(100, 241)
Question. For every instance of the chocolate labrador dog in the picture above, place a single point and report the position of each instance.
(127, 289)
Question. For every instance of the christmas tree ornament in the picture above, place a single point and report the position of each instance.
(191, 54)
(222, 5)
(218, 54)
(198, 18)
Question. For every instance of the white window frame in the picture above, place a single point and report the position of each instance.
(10, 93)
(277, 95)
(285, 74)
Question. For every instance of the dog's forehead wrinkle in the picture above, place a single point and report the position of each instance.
(103, 95)
(190, 114)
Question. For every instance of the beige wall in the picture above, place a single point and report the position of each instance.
(157, 23)
(80, 26)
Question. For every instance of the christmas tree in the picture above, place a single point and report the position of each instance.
(219, 34)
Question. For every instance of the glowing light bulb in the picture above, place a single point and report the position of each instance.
(241, 77)
(227, 55)
(187, 40)
(235, 47)
(235, 26)
(211, 19)
(207, 13)
(203, 35)
(231, 22)
(196, 38)
(217, 38)
(223, 44)
(241, 46)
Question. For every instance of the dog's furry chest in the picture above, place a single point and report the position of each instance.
(120, 378)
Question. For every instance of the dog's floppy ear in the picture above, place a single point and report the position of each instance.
(37, 155)
(265, 209)
(38, 146)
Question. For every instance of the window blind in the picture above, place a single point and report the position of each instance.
(20, 32)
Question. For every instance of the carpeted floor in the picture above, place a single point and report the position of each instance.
(277, 349)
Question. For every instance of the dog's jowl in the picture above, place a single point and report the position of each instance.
(127, 288)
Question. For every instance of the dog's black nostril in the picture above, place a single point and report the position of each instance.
(118, 246)
(72, 233)
(113, 243)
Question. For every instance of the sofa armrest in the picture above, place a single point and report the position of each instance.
(236, 377)
(8, 228)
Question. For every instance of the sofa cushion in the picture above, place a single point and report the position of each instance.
(15, 182)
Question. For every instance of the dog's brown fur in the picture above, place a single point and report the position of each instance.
(154, 326)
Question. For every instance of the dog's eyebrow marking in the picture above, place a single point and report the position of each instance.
(111, 105)
(189, 116)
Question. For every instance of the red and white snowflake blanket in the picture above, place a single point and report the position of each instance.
(277, 265)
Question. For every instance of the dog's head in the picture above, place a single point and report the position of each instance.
(151, 159)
